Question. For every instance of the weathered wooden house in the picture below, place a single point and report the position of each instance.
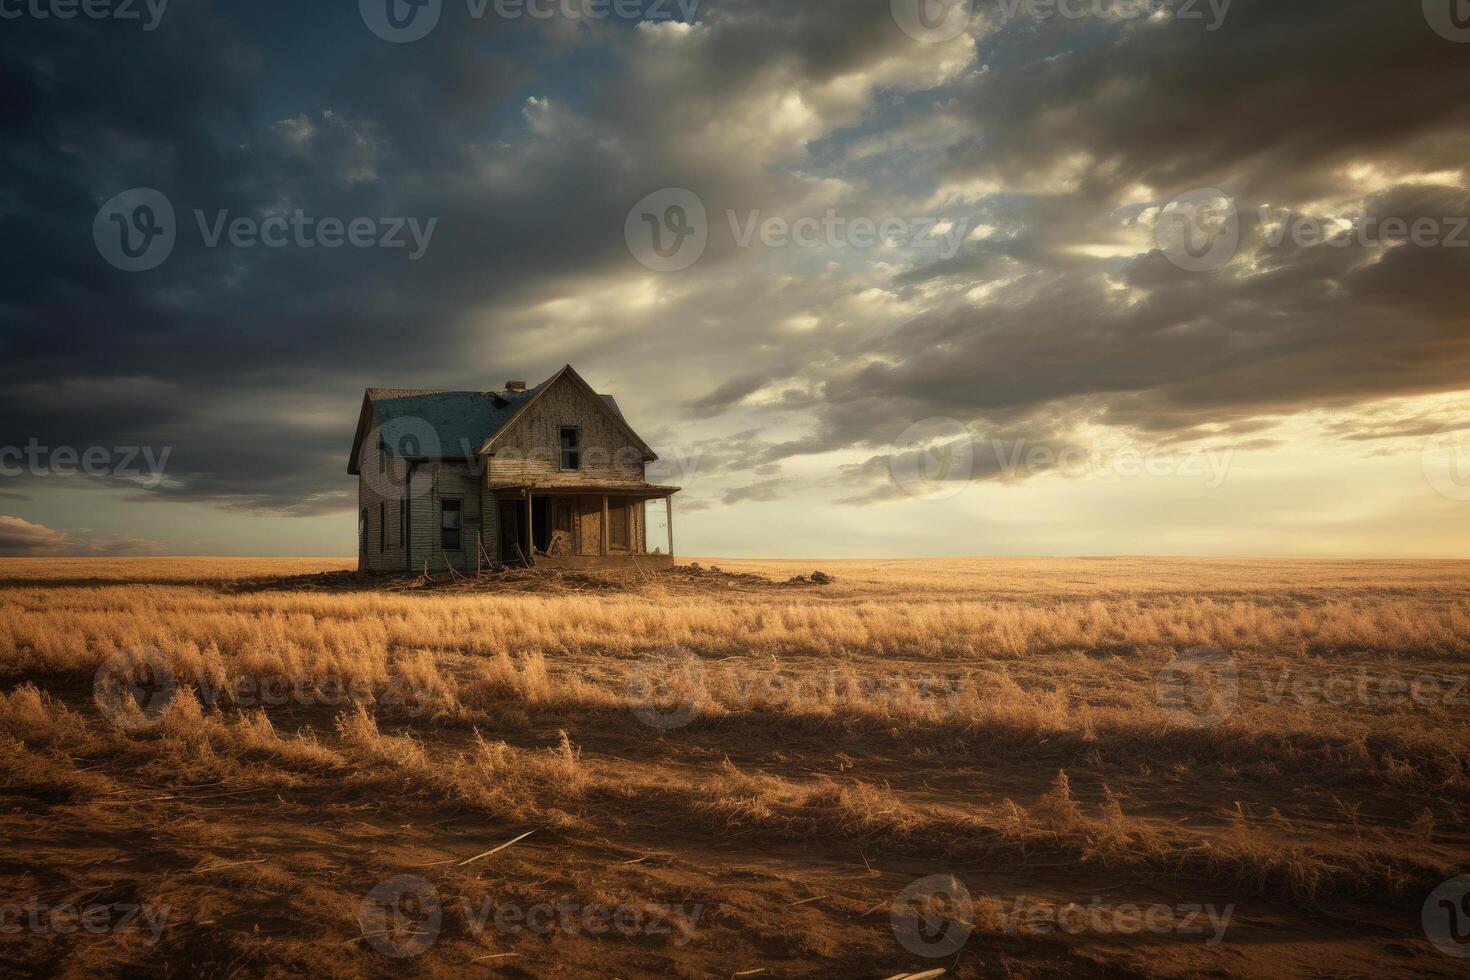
(551, 474)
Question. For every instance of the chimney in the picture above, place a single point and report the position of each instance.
(515, 386)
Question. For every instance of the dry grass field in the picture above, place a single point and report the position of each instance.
(987, 767)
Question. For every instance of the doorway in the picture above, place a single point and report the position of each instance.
(553, 527)
(513, 530)
(541, 523)
(510, 529)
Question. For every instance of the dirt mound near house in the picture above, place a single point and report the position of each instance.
(513, 578)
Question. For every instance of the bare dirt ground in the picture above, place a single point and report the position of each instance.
(987, 767)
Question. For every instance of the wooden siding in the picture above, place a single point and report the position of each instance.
(432, 483)
(529, 451)
(375, 488)
(590, 538)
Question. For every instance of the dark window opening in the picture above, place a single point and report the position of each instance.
(382, 457)
(382, 527)
(402, 523)
(571, 448)
(362, 531)
(449, 524)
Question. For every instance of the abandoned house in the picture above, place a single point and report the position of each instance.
(551, 474)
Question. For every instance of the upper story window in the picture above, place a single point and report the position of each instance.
(382, 457)
(571, 447)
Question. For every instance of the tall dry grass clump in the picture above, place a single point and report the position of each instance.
(518, 783)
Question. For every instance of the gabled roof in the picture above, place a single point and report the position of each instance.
(456, 424)
(605, 400)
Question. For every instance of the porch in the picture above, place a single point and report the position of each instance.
(589, 525)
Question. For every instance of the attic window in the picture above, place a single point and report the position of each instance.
(571, 447)
(382, 457)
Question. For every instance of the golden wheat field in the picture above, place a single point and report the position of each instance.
(982, 767)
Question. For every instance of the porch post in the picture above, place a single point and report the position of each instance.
(669, 514)
(530, 531)
(605, 550)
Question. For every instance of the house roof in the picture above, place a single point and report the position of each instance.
(450, 424)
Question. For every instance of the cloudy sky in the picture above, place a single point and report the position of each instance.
(875, 278)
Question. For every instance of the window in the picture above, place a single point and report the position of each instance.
(402, 523)
(382, 457)
(617, 524)
(382, 527)
(449, 523)
(362, 530)
(571, 447)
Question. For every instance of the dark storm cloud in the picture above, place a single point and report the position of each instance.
(760, 491)
(529, 141)
(1320, 111)
(279, 107)
(20, 538)
(728, 394)
(1270, 104)
(1330, 325)
(984, 459)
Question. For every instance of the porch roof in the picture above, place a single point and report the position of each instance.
(611, 488)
